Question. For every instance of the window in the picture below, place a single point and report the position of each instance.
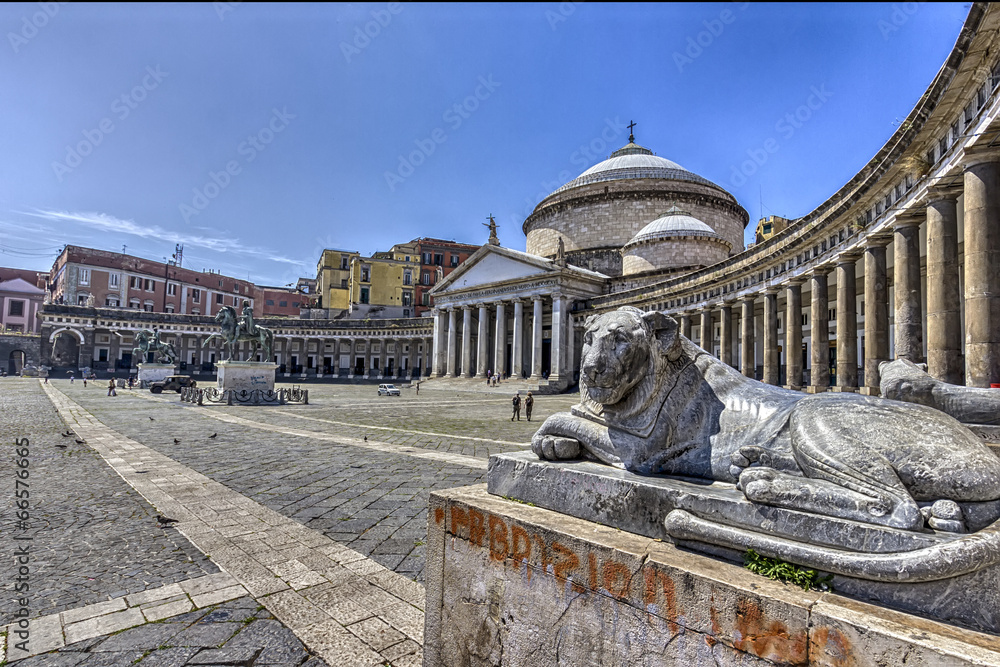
(426, 258)
(149, 285)
(366, 274)
(236, 301)
(195, 311)
(407, 277)
(218, 299)
(269, 302)
(454, 260)
(343, 284)
(343, 262)
(196, 295)
(133, 282)
(364, 295)
(407, 298)
(805, 319)
(102, 354)
(767, 228)
(407, 258)
(171, 289)
(16, 308)
(943, 145)
(930, 156)
(425, 278)
(832, 315)
(133, 303)
(169, 308)
(296, 304)
(148, 306)
(439, 259)
(406, 313)
(81, 299)
(425, 299)
(283, 304)
(111, 301)
(84, 276)
(113, 279)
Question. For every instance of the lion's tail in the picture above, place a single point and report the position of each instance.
(966, 554)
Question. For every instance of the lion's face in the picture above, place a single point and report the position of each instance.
(617, 348)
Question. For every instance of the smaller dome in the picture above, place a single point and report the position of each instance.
(674, 222)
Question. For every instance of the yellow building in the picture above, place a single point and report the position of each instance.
(333, 277)
(382, 283)
(769, 226)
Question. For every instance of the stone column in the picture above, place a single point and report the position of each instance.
(483, 342)
(368, 356)
(944, 324)
(439, 347)
(452, 370)
(569, 359)
(398, 356)
(847, 323)
(352, 357)
(517, 354)
(772, 357)
(906, 289)
(748, 353)
(706, 330)
(685, 320)
(558, 325)
(726, 334)
(876, 314)
(793, 334)
(536, 338)
(819, 334)
(467, 341)
(500, 367)
(982, 271)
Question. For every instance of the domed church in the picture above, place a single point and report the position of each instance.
(637, 212)
(624, 223)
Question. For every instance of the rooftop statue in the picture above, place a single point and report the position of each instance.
(149, 341)
(652, 402)
(903, 380)
(236, 329)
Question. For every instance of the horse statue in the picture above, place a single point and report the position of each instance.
(233, 332)
(149, 341)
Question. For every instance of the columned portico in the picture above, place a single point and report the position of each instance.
(558, 335)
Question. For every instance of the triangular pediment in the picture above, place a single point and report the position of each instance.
(19, 285)
(493, 264)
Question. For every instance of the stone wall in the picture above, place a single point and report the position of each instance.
(10, 343)
(511, 584)
(686, 251)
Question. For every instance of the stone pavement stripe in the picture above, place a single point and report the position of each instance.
(206, 505)
(94, 620)
(406, 430)
(374, 445)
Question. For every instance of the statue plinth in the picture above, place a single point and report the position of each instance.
(149, 372)
(246, 375)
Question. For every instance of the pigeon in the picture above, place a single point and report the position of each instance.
(66, 434)
(176, 441)
(163, 520)
(81, 442)
(61, 446)
(151, 419)
(366, 438)
(213, 435)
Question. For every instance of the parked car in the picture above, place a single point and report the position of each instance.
(388, 390)
(172, 383)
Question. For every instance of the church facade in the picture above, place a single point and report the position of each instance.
(903, 261)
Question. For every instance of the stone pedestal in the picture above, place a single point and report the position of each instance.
(246, 375)
(155, 372)
(511, 584)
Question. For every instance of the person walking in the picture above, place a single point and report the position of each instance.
(516, 404)
(529, 402)
(84, 381)
(111, 387)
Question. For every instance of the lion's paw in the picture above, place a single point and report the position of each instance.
(755, 483)
(555, 448)
(745, 457)
(944, 515)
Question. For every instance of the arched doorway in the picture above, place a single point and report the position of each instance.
(16, 362)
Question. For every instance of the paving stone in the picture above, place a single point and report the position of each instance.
(205, 635)
(169, 657)
(139, 638)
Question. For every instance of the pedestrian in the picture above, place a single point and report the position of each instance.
(111, 387)
(529, 402)
(418, 389)
(516, 404)
(71, 378)
(46, 380)
(84, 381)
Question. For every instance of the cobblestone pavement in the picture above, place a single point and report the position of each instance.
(93, 536)
(353, 467)
(327, 477)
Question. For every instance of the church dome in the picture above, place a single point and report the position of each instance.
(634, 161)
(674, 222)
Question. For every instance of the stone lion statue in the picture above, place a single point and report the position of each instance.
(903, 380)
(652, 402)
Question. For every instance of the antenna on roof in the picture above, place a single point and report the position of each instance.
(178, 254)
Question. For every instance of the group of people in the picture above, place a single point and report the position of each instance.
(529, 402)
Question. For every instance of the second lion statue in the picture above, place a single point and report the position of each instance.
(652, 402)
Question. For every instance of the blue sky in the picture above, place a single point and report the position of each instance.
(256, 134)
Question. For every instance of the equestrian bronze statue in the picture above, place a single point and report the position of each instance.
(149, 341)
(237, 329)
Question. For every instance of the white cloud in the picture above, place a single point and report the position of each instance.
(110, 224)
